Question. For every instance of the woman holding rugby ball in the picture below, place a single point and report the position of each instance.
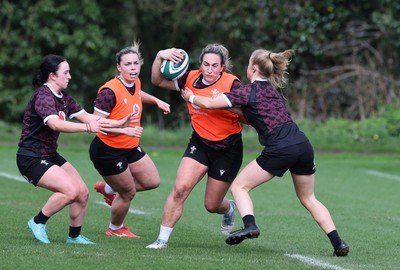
(215, 147)
(286, 147)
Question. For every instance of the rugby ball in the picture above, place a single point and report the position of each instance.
(173, 71)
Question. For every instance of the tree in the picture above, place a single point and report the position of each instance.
(32, 29)
(345, 63)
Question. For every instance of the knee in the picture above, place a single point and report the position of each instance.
(307, 201)
(234, 188)
(154, 183)
(211, 208)
(180, 192)
(128, 194)
(84, 195)
(78, 195)
(72, 195)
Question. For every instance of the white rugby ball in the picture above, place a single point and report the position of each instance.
(173, 71)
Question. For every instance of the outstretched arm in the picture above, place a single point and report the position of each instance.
(126, 129)
(149, 99)
(90, 125)
(216, 102)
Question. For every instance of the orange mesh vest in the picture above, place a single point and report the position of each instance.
(125, 105)
(213, 125)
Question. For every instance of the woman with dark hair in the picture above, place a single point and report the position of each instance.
(286, 147)
(215, 147)
(37, 157)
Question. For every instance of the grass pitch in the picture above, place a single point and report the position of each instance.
(361, 192)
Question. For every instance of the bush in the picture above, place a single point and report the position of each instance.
(374, 134)
(392, 116)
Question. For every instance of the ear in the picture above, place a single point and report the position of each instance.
(254, 68)
(52, 76)
(119, 68)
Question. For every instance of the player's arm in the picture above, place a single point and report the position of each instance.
(239, 112)
(59, 125)
(149, 99)
(132, 131)
(216, 102)
(102, 118)
(86, 117)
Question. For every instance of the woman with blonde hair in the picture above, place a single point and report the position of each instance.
(117, 156)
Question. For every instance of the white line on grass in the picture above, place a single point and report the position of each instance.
(314, 262)
(21, 179)
(385, 175)
(13, 177)
(132, 211)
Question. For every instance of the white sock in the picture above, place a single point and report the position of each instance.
(113, 227)
(230, 210)
(165, 233)
(108, 190)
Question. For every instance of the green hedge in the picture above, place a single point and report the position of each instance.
(374, 134)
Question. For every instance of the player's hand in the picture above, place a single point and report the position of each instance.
(124, 122)
(96, 126)
(186, 93)
(133, 131)
(128, 120)
(164, 106)
(171, 54)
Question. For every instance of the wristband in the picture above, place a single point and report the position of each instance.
(191, 98)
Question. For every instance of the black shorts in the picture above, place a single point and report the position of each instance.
(298, 159)
(111, 161)
(223, 164)
(33, 168)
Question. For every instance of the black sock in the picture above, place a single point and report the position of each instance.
(74, 232)
(40, 218)
(335, 239)
(249, 221)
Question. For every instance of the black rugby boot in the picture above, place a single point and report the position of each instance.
(342, 250)
(246, 233)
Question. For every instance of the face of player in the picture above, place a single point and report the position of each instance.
(60, 79)
(211, 67)
(129, 67)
